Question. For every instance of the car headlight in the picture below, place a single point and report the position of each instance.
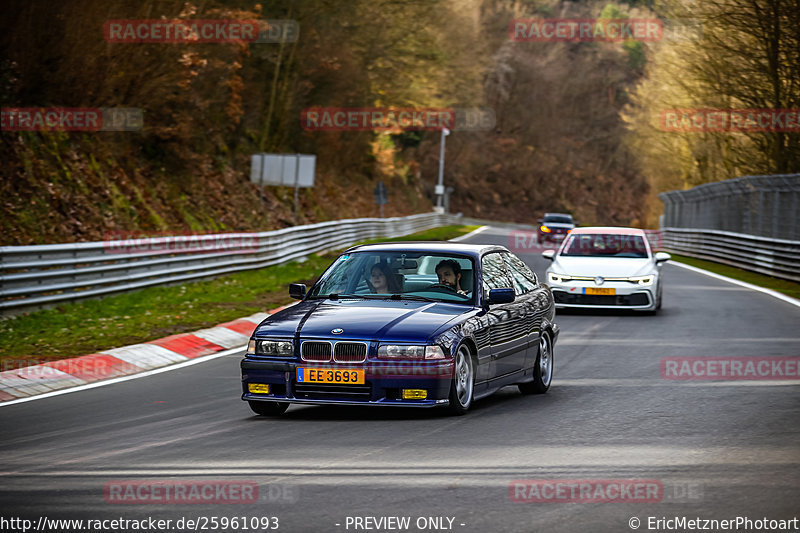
(552, 277)
(544, 229)
(643, 280)
(395, 351)
(274, 348)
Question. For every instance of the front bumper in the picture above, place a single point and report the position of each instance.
(626, 295)
(383, 383)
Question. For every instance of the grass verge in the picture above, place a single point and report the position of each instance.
(87, 327)
(789, 288)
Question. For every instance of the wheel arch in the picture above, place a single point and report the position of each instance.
(472, 346)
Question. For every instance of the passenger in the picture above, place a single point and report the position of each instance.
(449, 272)
(382, 280)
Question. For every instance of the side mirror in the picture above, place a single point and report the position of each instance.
(549, 254)
(501, 296)
(662, 256)
(297, 290)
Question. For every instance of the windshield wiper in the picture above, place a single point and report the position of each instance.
(370, 296)
(413, 297)
(344, 296)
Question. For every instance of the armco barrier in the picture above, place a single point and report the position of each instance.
(773, 257)
(752, 222)
(40, 275)
(765, 206)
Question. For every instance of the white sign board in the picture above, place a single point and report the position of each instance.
(288, 170)
(305, 174)
(255, 168)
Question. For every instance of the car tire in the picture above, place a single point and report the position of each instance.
(268, 408)
(542, 369)
(462, 385)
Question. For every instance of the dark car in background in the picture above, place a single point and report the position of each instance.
(553, 227)
(455, 323)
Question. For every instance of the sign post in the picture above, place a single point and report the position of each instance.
(440, 185)
(381, 195)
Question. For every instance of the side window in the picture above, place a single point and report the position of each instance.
(524, 279)
(494, 272)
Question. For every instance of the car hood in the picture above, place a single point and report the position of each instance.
(387, 320)
(609, 267)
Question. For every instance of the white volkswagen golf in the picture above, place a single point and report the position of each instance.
(606, 267)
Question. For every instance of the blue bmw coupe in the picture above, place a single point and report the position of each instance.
(406, 324)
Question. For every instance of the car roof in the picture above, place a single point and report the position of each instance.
(611, 230)
(475, 250)
(558, 215)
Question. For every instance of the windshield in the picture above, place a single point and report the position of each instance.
(558, 219)
(605, 245)
(400, 275)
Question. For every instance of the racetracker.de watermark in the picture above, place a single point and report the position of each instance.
(388, 369)
(586, 491)
(730, 368)
(605, 491)
(100, 366)
(122, 242)
(525, 241)
(585, 30)
(732, 120)
(180, 492)
(160, 492)
(71, 119)
(397, 119)
(200, 31)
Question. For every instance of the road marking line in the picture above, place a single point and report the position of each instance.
(788, 299)
(470, 234)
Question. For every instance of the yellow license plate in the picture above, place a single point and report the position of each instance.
(600, 291)
(330, 375)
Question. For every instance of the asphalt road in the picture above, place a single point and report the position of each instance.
(718, 450)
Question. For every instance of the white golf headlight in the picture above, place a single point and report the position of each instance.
(643, 280)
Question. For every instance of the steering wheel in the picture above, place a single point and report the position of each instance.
(440, 286)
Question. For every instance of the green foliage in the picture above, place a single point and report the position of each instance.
(636, 54)
(612, 11)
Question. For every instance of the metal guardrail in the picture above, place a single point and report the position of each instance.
(752, 222)
(767, 206)
(773, 257)
(35, 276)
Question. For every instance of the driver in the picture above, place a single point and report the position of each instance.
(449, 272)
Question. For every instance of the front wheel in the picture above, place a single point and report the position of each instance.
(462, 386)
(542, 369)
(268, 408)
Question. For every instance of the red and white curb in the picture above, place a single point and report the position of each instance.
(46, 378)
